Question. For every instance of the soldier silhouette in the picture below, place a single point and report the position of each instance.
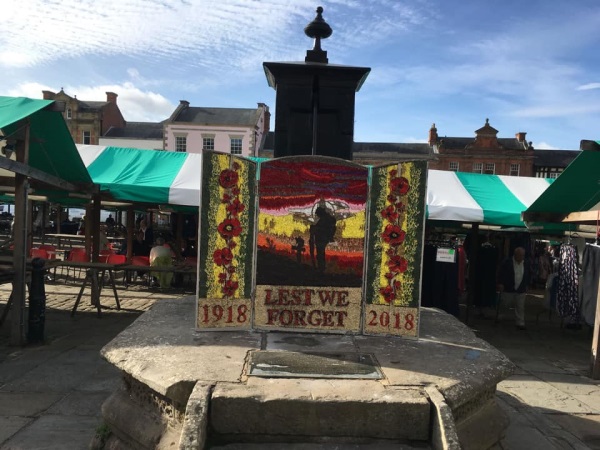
(321, 234)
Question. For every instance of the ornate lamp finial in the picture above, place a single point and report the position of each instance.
(318, 29)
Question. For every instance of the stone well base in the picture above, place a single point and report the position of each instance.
(191, 390)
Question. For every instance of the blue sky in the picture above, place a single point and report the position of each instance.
(531, 66)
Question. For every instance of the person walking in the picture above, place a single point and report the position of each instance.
(513, 279)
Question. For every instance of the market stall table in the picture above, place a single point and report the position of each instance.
(92, 276)
(176, 268)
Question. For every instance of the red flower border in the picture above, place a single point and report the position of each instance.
(394, 235)
(229, 229)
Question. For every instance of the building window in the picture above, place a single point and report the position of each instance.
(514, 170)
(477, 168)
(208, 143)
(236, 146)
(553, 175)
(86, 138)
(69, 114)
(454, 166)
(181, 144)
(490, 168)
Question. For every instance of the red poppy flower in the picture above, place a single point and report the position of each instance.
(393, 173)
(389, 213)
(400, 207)
(391, 252)
(231, 269)
(231, 244)
(235, 207)
(222, 256)
(394, 235)
(235, 190)
(399, 185)
(388, 293)
(222, 277)
(230, 287)
(230, 228)
(389, 275)
(398, 264)
(228, 178)
(226, 198)
(236, 166)
(392, 198)
(397, 286)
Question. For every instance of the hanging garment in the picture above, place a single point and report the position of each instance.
(567, 302)
(485, 282)
(589, 288)
(439, 282)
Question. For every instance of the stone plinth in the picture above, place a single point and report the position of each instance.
(189, 389)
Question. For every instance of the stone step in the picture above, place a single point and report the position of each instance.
(329, 446)
(307, 410)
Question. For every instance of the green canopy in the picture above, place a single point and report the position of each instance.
(576, 190)
(51, 147)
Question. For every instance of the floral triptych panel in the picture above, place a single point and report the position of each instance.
(227, 218)
(395, 247)
(310, 244)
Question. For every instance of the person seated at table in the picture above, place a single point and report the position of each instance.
(161, 256)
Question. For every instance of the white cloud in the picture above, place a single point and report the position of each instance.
(544, 146)
(136, 105)
(587, 87)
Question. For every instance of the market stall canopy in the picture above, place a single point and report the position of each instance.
(53, 158)
(174, 178)
(478, 198)
(145, 176)
(574, 196)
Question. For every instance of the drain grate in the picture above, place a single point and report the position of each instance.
(278, 364)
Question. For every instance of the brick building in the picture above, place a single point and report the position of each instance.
(485, 153)
(88, 120)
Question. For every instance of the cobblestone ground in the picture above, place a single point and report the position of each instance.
(61, 294)
(51, 393)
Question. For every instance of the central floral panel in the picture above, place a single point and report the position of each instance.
(310, 244)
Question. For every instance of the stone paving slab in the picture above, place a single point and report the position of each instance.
(10, 425)
(55, 432)
(563, 353)
(27, 404)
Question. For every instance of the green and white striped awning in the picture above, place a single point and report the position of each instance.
(174, 178)
(478, 198)
(145, 176)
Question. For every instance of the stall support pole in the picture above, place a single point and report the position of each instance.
(131, 231)
(95, 226)
(595, 362)
(474, 248)
(17, 313)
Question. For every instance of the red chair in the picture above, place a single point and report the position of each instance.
(104, 255)
(113, 258)
(142, 261)
(50, 249)
(38, 253)
(76, 255)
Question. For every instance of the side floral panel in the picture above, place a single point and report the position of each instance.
(395, 247)
(227, 221)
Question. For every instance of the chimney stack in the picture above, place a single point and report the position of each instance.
(111, 97)
(433, 136)
(48, 95)
(520, 136)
